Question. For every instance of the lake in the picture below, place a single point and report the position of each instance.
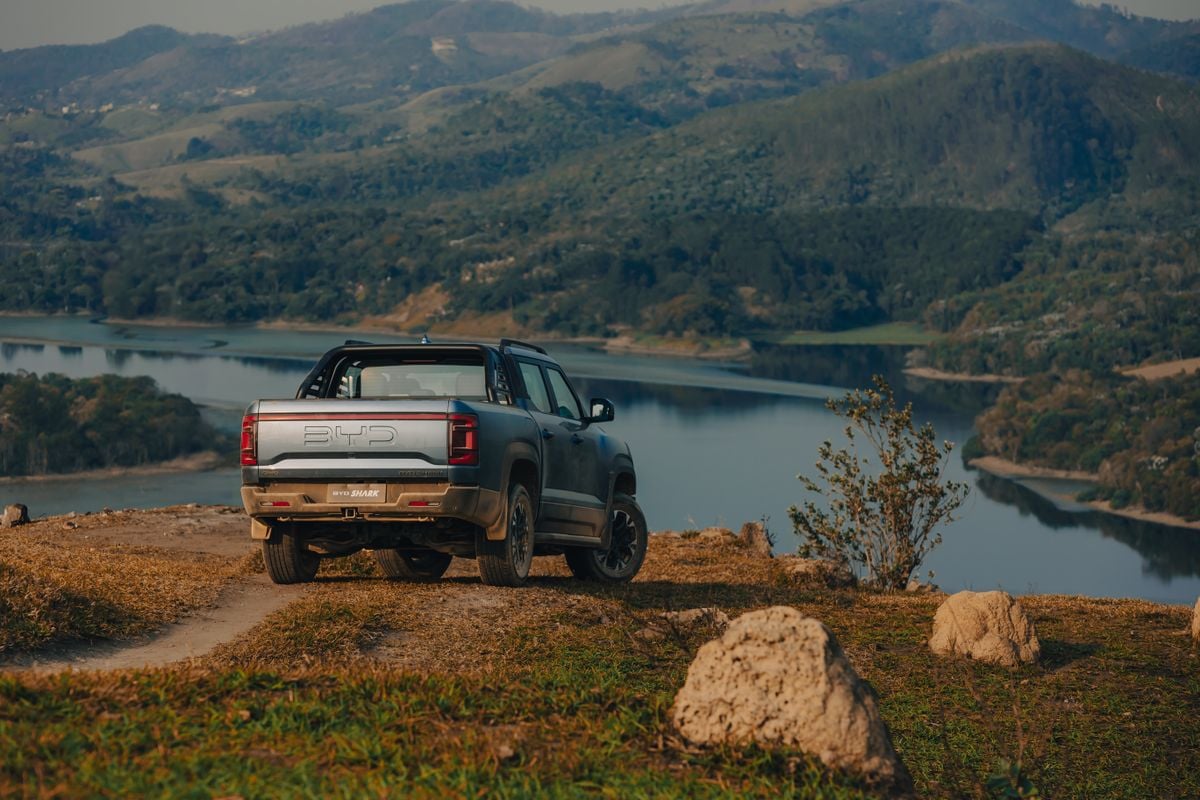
(714, 444)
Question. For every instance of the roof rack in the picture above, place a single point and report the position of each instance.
(518, 343)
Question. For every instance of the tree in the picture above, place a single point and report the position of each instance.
(882, 523)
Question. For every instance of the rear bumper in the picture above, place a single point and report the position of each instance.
(422, 502)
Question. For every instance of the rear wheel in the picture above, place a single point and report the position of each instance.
(286, 558)
(413, 566)
(507, 562)
(626, 549)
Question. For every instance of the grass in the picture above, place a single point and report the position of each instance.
(366, 686)
(54, 589)
(888, 333)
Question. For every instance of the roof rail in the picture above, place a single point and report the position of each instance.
(518, 343)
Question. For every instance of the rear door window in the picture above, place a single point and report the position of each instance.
(535, 385)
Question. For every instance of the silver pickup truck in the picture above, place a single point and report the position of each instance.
(428, 451)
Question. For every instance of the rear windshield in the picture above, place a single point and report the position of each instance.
(376, 378)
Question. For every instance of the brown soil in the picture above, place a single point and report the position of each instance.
(1167, 369)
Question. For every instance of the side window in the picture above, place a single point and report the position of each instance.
(568, 405)
(531, 374)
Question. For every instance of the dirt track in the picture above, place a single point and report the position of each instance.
(240, 607)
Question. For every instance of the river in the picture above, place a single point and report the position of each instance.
(714, 444)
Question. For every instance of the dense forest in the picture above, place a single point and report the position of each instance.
(1142, 438)
(53, 424)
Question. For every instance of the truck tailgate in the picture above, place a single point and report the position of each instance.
(324, 439)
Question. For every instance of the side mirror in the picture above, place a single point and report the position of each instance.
(602, 410)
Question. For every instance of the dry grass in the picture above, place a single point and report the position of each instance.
(66, 587)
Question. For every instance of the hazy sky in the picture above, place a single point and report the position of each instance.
(26, 23)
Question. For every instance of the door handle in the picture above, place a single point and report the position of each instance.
(546, 434)
(576, 438)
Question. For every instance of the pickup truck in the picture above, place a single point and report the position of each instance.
(428, 451)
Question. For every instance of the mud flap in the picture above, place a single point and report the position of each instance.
(259, 530)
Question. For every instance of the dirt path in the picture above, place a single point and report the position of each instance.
(240, 607)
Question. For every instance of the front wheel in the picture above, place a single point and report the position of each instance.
(626, 547)
(507, 562)
(413, 566)
(286, 558)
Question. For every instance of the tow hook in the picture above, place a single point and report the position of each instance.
(349, 513)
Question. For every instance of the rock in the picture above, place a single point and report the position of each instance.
(1196, 622)
(684, 622)
(777, 677)
(818, 571)
(916, 586)
(985, 626)
(694, 617)
(14, 515)
(757, 538)
(715, 533)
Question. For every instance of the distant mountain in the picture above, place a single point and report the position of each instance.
(395, 50)
(1038, 128)
(1177, 56)
(39, 74)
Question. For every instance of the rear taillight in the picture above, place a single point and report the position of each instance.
(250, 440)
(464, 440)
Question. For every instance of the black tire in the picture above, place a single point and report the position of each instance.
(286, 558)
(425, 566)
(507, 562)
(626, 550)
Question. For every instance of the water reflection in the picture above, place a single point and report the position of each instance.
(1166, 552)
(854, 366)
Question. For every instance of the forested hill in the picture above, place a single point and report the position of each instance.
(710, 170)
(54, 424)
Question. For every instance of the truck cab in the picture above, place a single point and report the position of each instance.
(425, 452)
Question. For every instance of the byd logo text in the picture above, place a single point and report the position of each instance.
(351, 435)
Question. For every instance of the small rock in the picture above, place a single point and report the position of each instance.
(777, 677)
(1196, 622)
(917, 587)
(754, 535)
(504, 752)
(817, 570)
(14, 515)
(986, 626)
(715, 533)
(693, 617)
(650, 633)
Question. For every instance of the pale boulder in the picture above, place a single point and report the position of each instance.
(779, 678)
(14, 515)
(755, 537)
(985, 626)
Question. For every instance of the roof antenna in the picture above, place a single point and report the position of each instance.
(425, 339)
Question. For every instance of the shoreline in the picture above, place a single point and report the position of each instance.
(931, 374)
(618, 345)
(1010, 470)
(196, 462)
